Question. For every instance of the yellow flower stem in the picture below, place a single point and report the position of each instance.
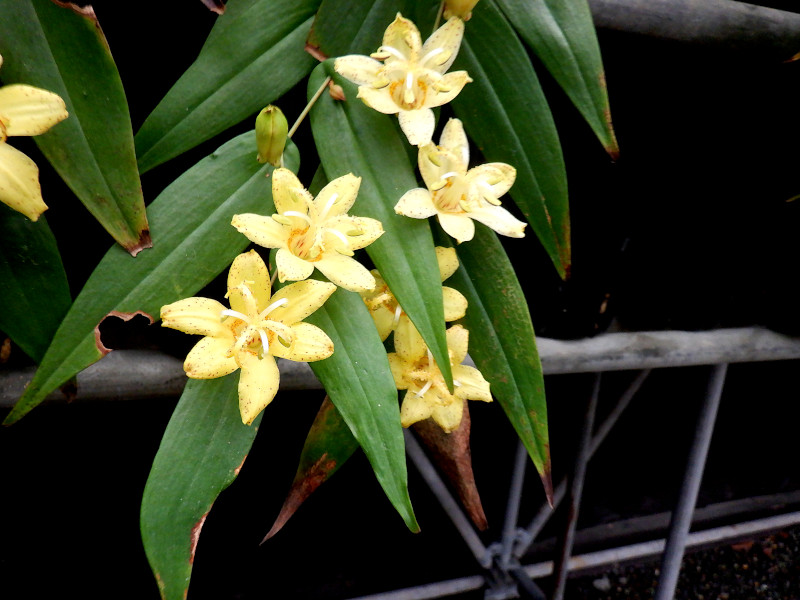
(308, 106)
(438, 16)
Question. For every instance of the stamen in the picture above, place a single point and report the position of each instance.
(229, 312)
(436, 52)
(409, 81)
(450, 174)
(397, 312)
(379, 55)
(273, 306)
(424, 389)
(294, 213)
(341, 236)
(264, 340)
(282, 219)
(331, 201)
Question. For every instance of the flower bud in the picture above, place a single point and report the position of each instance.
(271, 134)
(459, 8)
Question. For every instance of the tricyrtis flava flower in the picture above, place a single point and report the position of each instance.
(257, 327)
(406, 77)
(427, 395)
(314, 232)
(24, 110)
(388, 314)
(457, 195)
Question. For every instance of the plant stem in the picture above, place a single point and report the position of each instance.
(438, 16)
(308, 106)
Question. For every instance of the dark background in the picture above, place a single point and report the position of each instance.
(689, 229)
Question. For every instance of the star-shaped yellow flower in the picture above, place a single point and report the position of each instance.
(406, 77)
(311, 232)
(457, 195)
(24, 110)
(389, 315)
(427, 396)
(255, 329)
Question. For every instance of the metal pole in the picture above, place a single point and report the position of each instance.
(682, 516)
(576, 491)
(512, 508)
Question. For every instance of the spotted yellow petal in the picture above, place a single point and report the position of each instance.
(499, 219)
(458, 226)
(447, 260)
(197, 316)
(338, 196)
(435, 163)
(403, 36)
(447, 88)
(361, 70)
(261, 230)
(288, 193)
(248, 269)
(416, 203)
(310, 344)
(258, 384)
(418, 125)
(455, 304)
(302, 299)
(457, 343)
(414, 409)
(378, 99)
(408, 343)
(472, 385)
(399, 367)
(497, 177)
(292, 268)
(454, 140)
(19, 183)
(26, 110)
(445, 41)
(209, 360)
(345, 272)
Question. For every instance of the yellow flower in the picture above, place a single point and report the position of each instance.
(255, 329)
(388, 314)
(414, 370)
(406, 77)
(24, 110)
(311, 232)
(459, 8)
(457, 195)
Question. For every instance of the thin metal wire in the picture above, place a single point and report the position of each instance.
(582, 457)
(682, 516)
(512, 508)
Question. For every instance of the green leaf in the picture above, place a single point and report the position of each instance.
(327, 447)
(505, 113)
(359, 382)
(562, 34)
(191, 222)
(34, 293)
(352, 26)
(352, 138)
(253, 55)
(64, 51)
(203, 448)
(502, 342)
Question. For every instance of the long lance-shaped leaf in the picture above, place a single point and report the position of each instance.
(506, 115)
(352, 26)
(253, 55)
(34, 292)
(191, 221)
(502, 341)
(562, 34)
(63, 50)
(201, 453)
(327, 447)
(352, 138)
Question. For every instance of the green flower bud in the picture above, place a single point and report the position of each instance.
(271, 134)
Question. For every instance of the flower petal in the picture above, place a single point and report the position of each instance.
(434, 163)
(499, 177)
(448, 416)
(399, 368)
(454, 139)
(455, 304)
(361, 70)
(288, 193)
(27, 110)
(209, 360)
(472, 385)
(414, 409)
(499, 219)
(19, 183)
(345, 188)
(447, 260)
(416, 203)
(345, 272)
(418, 125)
(458, 226)
(249, 269)
(450, 85)
(303, 298)
(196, 316)
(380, 100)
(291, 267)
(408, 343)
(448, 37)
(457, 343)
(258, 384)
(403, 36)
(310, 344)
(360, 231)
(384, 321)
(264, 231)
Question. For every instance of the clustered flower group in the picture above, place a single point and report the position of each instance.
(407, 78)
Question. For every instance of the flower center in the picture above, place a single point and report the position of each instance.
(254, 332)
(408, 91)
